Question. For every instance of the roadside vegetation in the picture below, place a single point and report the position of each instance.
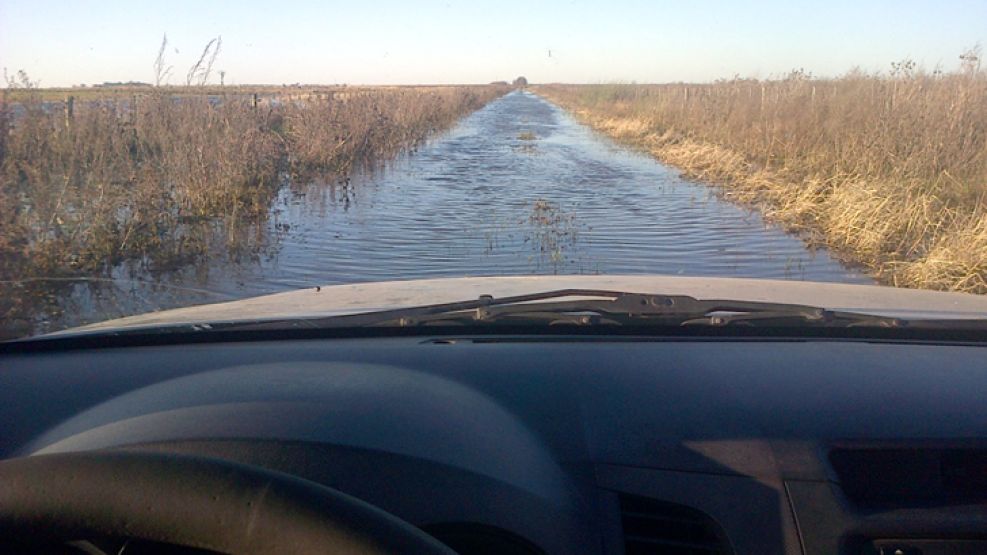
(85, 186)
(887, 170)
(160, 177)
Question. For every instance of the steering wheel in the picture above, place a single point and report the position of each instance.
(193, 502)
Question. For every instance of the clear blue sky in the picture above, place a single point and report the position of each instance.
(451, 41)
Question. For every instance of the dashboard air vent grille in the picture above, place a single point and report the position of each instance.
(653, 527)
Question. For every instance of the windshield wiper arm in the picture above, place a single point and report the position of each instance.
(600, 308)
(650, 310)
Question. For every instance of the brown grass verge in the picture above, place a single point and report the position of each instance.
(155, 178)
(137, 177)
(889, 172)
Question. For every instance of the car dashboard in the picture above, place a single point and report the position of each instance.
(564, 444)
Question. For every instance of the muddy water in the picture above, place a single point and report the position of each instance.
(519, 187)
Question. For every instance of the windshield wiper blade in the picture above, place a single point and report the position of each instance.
(651, 310)
(597, 307)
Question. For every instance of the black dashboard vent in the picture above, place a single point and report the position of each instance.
(653, 527)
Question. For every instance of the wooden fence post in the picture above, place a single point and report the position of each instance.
(69, 110)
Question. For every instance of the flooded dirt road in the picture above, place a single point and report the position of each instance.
(518, 187)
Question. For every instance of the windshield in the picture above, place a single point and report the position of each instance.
(158, 156)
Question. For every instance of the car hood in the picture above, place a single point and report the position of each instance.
(367, 297)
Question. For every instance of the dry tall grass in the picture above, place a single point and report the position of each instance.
(889, 171)
(137, 177)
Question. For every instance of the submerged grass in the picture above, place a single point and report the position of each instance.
(887, 171)
(137, 177)
(158, 179)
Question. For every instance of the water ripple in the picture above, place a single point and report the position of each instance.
(461, 206)
(518, 187)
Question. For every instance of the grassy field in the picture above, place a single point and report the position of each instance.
(128, 176)
(122, 92)
(888, 171)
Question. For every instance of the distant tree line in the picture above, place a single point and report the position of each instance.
(122, 84)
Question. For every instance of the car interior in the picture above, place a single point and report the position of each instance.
(501, 442)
